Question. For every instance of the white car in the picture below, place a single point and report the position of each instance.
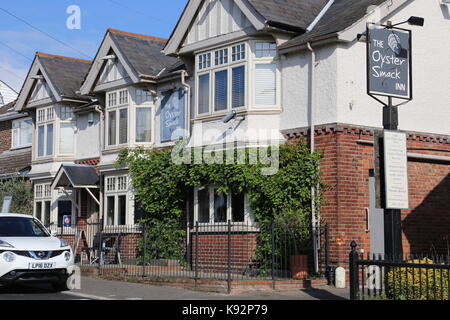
(30, 253)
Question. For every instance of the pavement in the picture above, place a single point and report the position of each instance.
(99, 289)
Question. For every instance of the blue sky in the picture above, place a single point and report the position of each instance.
(19, 42)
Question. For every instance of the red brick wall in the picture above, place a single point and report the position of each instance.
(92, 162)
(213, 251)
(345, 171)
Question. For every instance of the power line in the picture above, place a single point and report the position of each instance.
(45, 33)
(12, 73)
(135, 11)
(12, 49)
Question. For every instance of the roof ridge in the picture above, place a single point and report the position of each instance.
(137, 35)
(48, 55)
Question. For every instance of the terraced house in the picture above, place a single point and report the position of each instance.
(294, 67)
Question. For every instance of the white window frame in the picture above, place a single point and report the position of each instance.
(46, 117)
(265, 61)
(248, 217)
(114, 188)
(69, 117)
(152, 124)
(212, 69)
(43, 194)
(139, 92)
(118, 105)
(16, 133)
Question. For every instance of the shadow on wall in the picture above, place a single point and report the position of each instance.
(446, 12)
(427, 227)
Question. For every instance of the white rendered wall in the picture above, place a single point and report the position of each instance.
(296, 88)
(429, 112)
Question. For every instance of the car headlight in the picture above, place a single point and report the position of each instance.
(4, 244)
(63, 243)
(67, 256)
(9, 256)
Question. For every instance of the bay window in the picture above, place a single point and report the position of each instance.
(117, 117)
(21, 133)
(223, 75)
(213, 207)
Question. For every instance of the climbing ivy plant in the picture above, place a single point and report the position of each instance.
(162, 188)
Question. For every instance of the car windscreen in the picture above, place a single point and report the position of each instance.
(21, 227)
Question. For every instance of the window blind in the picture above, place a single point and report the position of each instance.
(203, 94)
(123, 126)
(265, 84)
(238, 87)
(49, 139)
(143, 122)
(41, 141)
(66, 142)
(221, 90)
(112, 128)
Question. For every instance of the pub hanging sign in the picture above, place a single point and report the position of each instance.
(389, 71)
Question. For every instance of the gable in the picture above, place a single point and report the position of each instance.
(206, 21)
(216, 18)
(113, 70)
(41, 91)
(7, 94)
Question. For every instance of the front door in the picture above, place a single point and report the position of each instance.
(65, 214)
(376, 222)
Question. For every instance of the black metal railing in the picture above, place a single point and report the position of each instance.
(221, 251)
(409, 277)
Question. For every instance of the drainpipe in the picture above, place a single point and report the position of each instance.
(188, 124)
(100, 137)
(188, 100)
(312, 108)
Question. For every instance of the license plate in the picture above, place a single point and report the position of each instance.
(42, 265)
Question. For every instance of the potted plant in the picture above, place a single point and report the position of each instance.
(296, 227)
